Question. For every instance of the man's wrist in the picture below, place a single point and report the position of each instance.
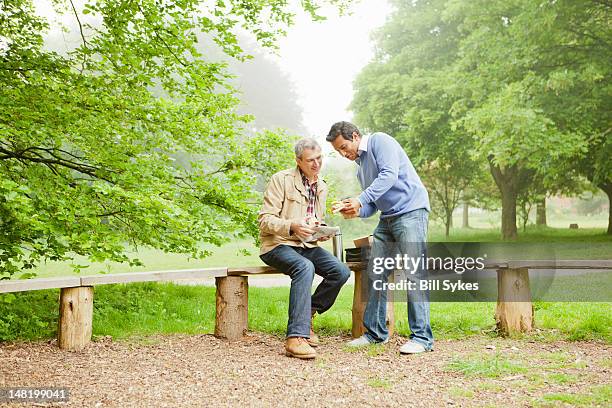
(362, 199)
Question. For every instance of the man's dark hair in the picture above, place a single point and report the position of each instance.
(344, 129)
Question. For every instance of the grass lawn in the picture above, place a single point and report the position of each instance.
(156, 260)
(142, 309)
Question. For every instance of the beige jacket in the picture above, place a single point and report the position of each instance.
(286, 199)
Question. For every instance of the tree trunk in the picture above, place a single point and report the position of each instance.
(466, 208)
(525, 211)
(76, 317)
(447, 223)
(607, 188)
(541, 213)
(232, 307)
(506, 181)
(509, 230)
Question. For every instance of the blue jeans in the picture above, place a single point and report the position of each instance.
(301, 264)
(405, 234)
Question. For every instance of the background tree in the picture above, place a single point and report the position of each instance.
(482, 193)
(267, 93)
(406, 93)
(525, 82)
(560, 52)
(570, 49)
(446, 185)
(88, 137)
(597, 167)
(518, 141)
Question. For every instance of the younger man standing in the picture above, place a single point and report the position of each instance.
(390, 185)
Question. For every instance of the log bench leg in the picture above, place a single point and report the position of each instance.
(76, 317)
(514, 312)
(232, 307)
(359, 304)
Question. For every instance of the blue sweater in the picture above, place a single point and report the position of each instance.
(389, 180)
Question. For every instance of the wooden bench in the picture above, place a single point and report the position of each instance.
(514, 310)
(513, 313)
(77, 294)
(232, 301)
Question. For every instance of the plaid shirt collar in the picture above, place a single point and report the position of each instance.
(311, 189)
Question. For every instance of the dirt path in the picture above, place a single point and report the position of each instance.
(203, 371)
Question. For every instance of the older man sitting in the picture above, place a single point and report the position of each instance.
(294, 201)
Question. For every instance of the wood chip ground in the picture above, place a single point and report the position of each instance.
(201, 371)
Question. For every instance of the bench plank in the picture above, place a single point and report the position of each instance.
(489, 264)
(562, 264)
(24, 285)
(155, 276)
(268, 270)
(252, 270)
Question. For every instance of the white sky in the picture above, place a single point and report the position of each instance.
(323, 59)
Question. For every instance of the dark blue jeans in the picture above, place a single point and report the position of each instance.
(405, 235)
(301, 264)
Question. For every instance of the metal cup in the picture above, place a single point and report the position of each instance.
(337, 246)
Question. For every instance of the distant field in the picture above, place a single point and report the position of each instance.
(229, 254)
(559, 220)
(157, 260)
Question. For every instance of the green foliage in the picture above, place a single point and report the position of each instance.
(89, 138)
(406, 94)
(519, 86)
(29, 315)
(150, 308)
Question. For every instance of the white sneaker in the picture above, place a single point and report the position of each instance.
(364, 341)
(412, 347)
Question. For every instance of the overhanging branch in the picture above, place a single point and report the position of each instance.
(33, 155)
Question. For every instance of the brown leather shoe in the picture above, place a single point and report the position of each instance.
(313, 340)
(298, 347)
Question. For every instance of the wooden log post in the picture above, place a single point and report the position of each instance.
(358, 305)
(76, 317)
(514, 313)
(232, 307)
(360, 297)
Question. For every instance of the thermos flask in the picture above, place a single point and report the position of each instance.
(337, 246)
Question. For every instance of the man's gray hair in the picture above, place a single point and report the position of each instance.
(306, 143)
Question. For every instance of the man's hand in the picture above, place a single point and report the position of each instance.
(351, 208)
(337, 206)
(301, 230)
(324, 238)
